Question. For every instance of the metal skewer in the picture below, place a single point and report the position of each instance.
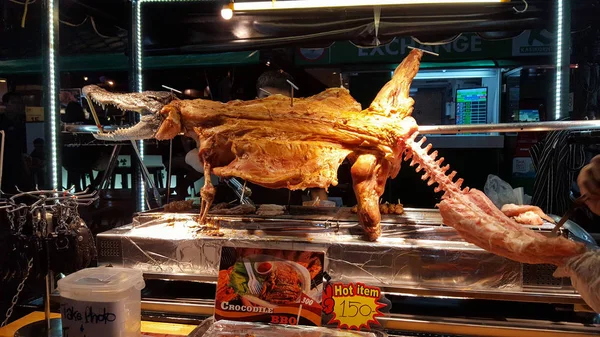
(172, 89)
(292, 87)
(94, 114)
(265, 91)
(425, 51)
(578, 202)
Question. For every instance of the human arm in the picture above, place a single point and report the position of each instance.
(589, 184)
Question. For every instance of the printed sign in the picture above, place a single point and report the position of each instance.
(533, 42)
(523, 167)
(93, 319)
(270, 286)
(34, 114)
(467, 46)
(353, 306)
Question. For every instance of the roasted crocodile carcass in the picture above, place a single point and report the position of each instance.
(274, 144)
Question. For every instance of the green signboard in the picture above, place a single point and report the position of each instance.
(465, 47)
(118, 62)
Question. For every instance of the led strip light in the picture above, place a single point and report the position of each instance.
(52, 94)
(137, 8)
(559, 59)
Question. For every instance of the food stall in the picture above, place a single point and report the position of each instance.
(436, 282)
(420, 275)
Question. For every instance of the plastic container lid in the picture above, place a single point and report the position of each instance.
(103, 280)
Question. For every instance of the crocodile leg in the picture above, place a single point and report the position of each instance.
(369, 175)
(207, 192)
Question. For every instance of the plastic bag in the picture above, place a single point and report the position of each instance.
(499, 191)
(233, 329)
(584, 271)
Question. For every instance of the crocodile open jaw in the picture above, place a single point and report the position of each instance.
(148, 104)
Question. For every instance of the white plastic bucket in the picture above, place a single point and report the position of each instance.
(101, 302)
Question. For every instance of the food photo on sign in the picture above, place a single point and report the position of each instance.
(270, 286)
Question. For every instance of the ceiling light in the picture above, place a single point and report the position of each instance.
(226, 13)
(111, 83)
(85, 78)
(298, 4)
(2, 80)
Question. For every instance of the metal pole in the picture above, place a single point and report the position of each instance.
(510, 127)
(2, 158)
(50, 47)
(49, 280)
(169, 172)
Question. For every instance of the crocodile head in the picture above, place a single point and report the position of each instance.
(148, 104)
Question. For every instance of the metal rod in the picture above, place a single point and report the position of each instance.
(146, 176)
(265, 91)
(49, 274)
(449, 129)
(425, 51)
(510, 127)
(292, 84)
(208, 85)
(2, 156)
(113, 162)
(172, 89)
(94, 114)
(169, 173)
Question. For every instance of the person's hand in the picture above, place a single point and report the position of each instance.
(589, 184)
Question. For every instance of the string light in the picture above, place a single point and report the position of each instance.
(52, 94)
(137, 8)
(559, 59)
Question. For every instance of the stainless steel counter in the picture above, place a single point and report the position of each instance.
(414, 255)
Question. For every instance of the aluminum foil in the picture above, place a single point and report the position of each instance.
(407, 255)
(236, 329)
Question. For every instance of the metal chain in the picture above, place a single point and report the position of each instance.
(22, 219)
(15, 298)
(11, 220)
